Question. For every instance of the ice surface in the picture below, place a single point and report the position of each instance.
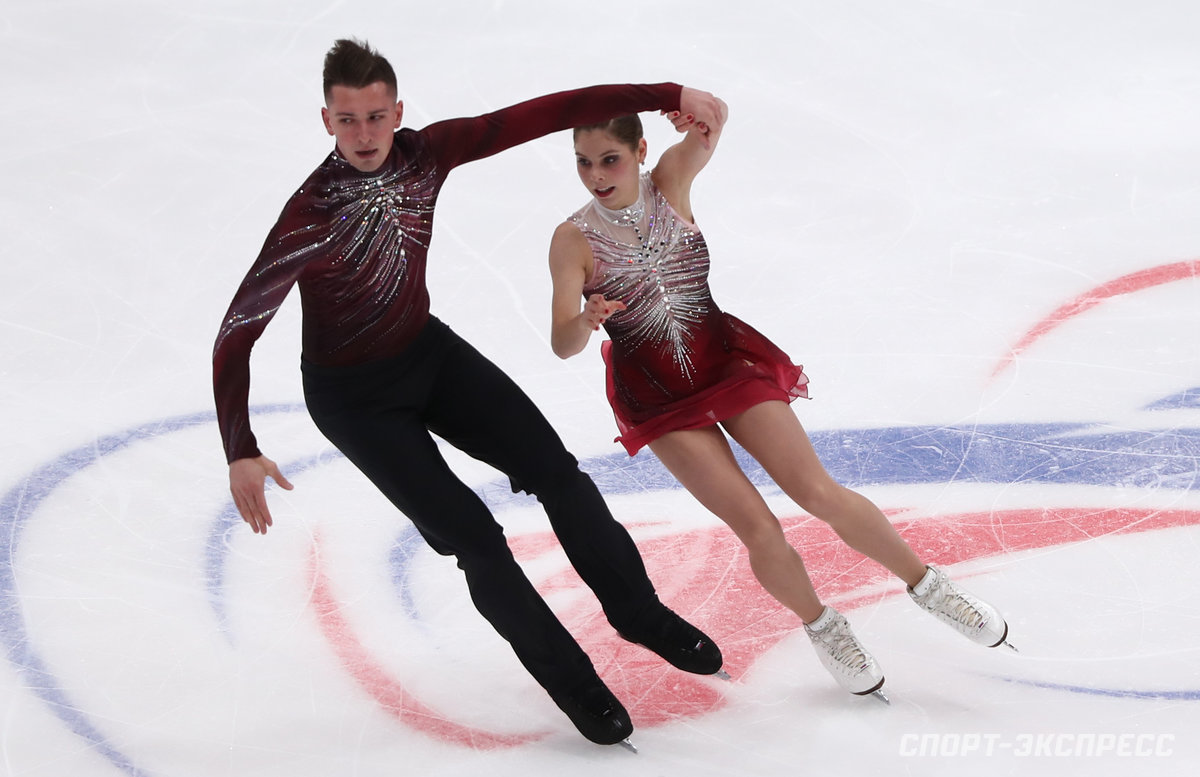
(975, 223)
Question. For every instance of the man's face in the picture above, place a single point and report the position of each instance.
(363, 121)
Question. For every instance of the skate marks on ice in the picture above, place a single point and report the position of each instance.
(161, 595)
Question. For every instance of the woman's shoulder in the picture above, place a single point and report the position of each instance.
(568, 235)
(662, 203)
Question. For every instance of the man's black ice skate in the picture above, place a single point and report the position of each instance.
(680, 643)
(597, 714)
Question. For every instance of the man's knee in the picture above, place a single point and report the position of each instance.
(451, 535)
(550, 475)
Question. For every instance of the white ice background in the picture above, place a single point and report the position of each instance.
(904, 188)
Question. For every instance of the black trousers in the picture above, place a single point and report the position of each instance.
(380, 415)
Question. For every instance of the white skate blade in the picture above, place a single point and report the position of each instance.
(631, 747)
(882, 697)
(1010, 646)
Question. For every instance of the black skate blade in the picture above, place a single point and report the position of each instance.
(631, 747)
(1004, 641)
(721, 674)
(877, 692)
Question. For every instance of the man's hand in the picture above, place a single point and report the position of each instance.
(247, 483)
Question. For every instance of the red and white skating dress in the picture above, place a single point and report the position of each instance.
(675, 360)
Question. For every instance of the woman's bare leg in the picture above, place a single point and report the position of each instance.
(704, 464)
(771, 433)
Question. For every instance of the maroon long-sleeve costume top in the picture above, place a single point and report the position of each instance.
(356, 243)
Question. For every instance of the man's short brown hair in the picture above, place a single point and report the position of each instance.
(356, 65)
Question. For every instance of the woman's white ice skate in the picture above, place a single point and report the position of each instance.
(844, 656)
(966, 613)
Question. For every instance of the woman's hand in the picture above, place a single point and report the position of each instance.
(597, 310)
(701, 111)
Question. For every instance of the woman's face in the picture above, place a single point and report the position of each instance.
(608, 167)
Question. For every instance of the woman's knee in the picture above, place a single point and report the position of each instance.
(824, 499)
(761, 534)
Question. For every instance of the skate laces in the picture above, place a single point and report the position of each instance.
(841, 645)
(963, 610)
(843, 656)
(947, 599)
(967, 614)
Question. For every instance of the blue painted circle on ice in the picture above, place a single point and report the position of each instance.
(1006, 453)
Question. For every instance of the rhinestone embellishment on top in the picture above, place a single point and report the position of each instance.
(657, 264)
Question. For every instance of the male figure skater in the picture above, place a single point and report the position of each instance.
(381, 374)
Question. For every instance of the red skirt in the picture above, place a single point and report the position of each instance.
(735, 368)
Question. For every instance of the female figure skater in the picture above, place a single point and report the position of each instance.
(680, 370)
